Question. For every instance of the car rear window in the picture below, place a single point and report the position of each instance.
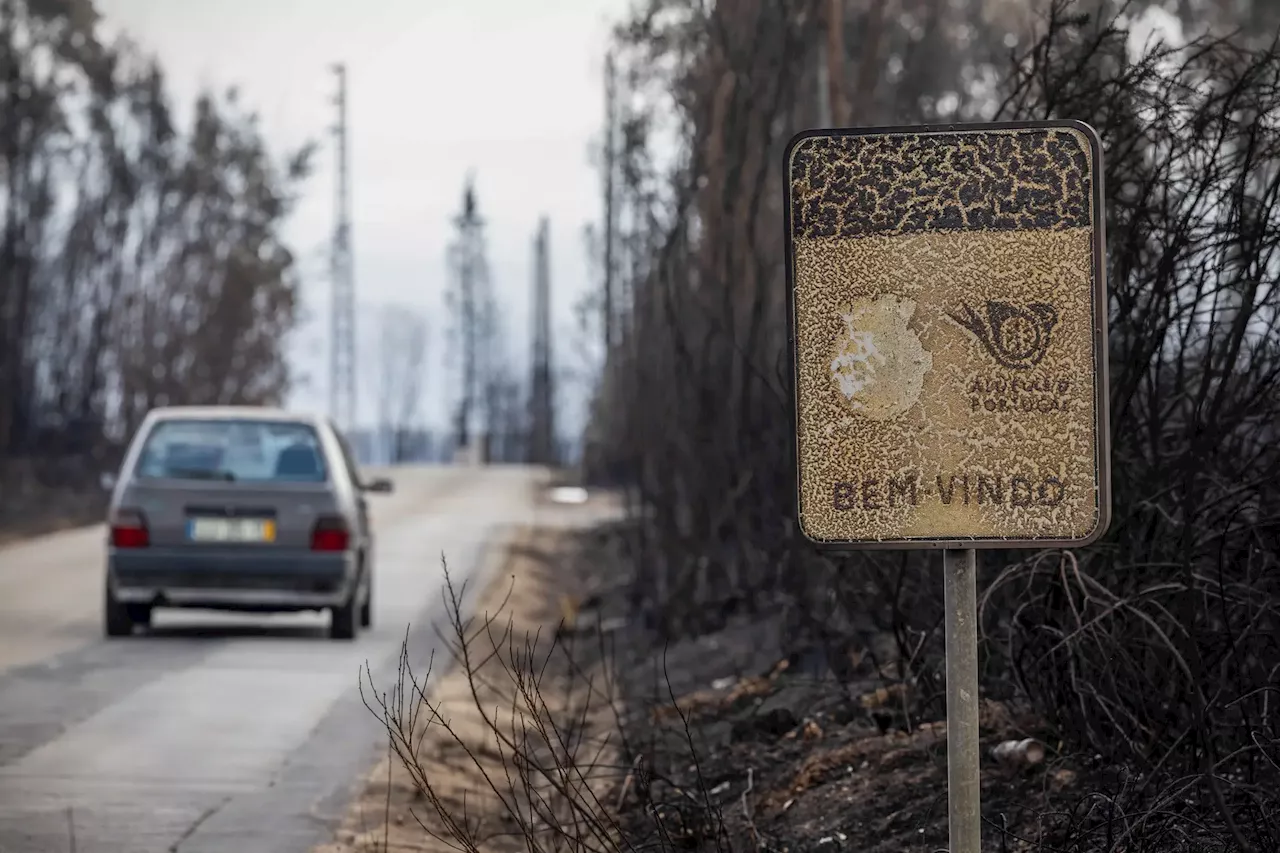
(233, 450)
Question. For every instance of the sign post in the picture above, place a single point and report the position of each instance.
(964, 818)
(947, 303)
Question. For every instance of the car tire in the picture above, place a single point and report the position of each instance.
(115, 615)
(342, 620)
(366, 609)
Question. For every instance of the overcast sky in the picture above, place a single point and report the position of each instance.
(507, 88)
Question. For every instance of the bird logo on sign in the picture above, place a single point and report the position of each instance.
(1015, 337)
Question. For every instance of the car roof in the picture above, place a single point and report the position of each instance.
(205, 413)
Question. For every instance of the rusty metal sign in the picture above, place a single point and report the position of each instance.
(948, 321)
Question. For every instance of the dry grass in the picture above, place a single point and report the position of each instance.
(491, 749)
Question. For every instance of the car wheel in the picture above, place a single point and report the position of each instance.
(115, 615)
(342, 620)
(366, 609)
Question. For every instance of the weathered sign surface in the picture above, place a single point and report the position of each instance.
(948, 305)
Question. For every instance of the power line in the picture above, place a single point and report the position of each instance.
(342, 344)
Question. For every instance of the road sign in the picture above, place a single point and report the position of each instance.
(948, 320)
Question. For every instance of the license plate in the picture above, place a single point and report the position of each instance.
(231, 530)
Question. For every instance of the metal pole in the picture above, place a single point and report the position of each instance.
(837, 104)
(963, 773)
(610, 199)
(342, 394)
(824, 85)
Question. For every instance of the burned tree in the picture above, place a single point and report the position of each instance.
(155, 274)
(1154, 648)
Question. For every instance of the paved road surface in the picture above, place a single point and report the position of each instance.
(218, 733)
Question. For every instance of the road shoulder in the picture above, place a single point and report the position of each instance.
(452, 753)
(701, 741)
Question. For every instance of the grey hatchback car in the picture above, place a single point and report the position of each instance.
(239, 508)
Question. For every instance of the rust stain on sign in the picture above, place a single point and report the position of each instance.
(949, 362)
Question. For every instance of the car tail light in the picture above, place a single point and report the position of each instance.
(129, 529)
(330, 534)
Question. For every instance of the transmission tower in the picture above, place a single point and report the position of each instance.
(542, 450)
(342, 344)
(471, 304)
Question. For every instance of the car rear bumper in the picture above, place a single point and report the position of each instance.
(231, 578)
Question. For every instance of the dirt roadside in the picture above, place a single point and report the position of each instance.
(714, 741)
(496, 723)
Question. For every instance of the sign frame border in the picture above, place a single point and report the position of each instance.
(1100, 304)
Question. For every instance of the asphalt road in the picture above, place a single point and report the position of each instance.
(220, 733)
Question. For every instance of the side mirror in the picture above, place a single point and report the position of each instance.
(107, 479)
(381, 486)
